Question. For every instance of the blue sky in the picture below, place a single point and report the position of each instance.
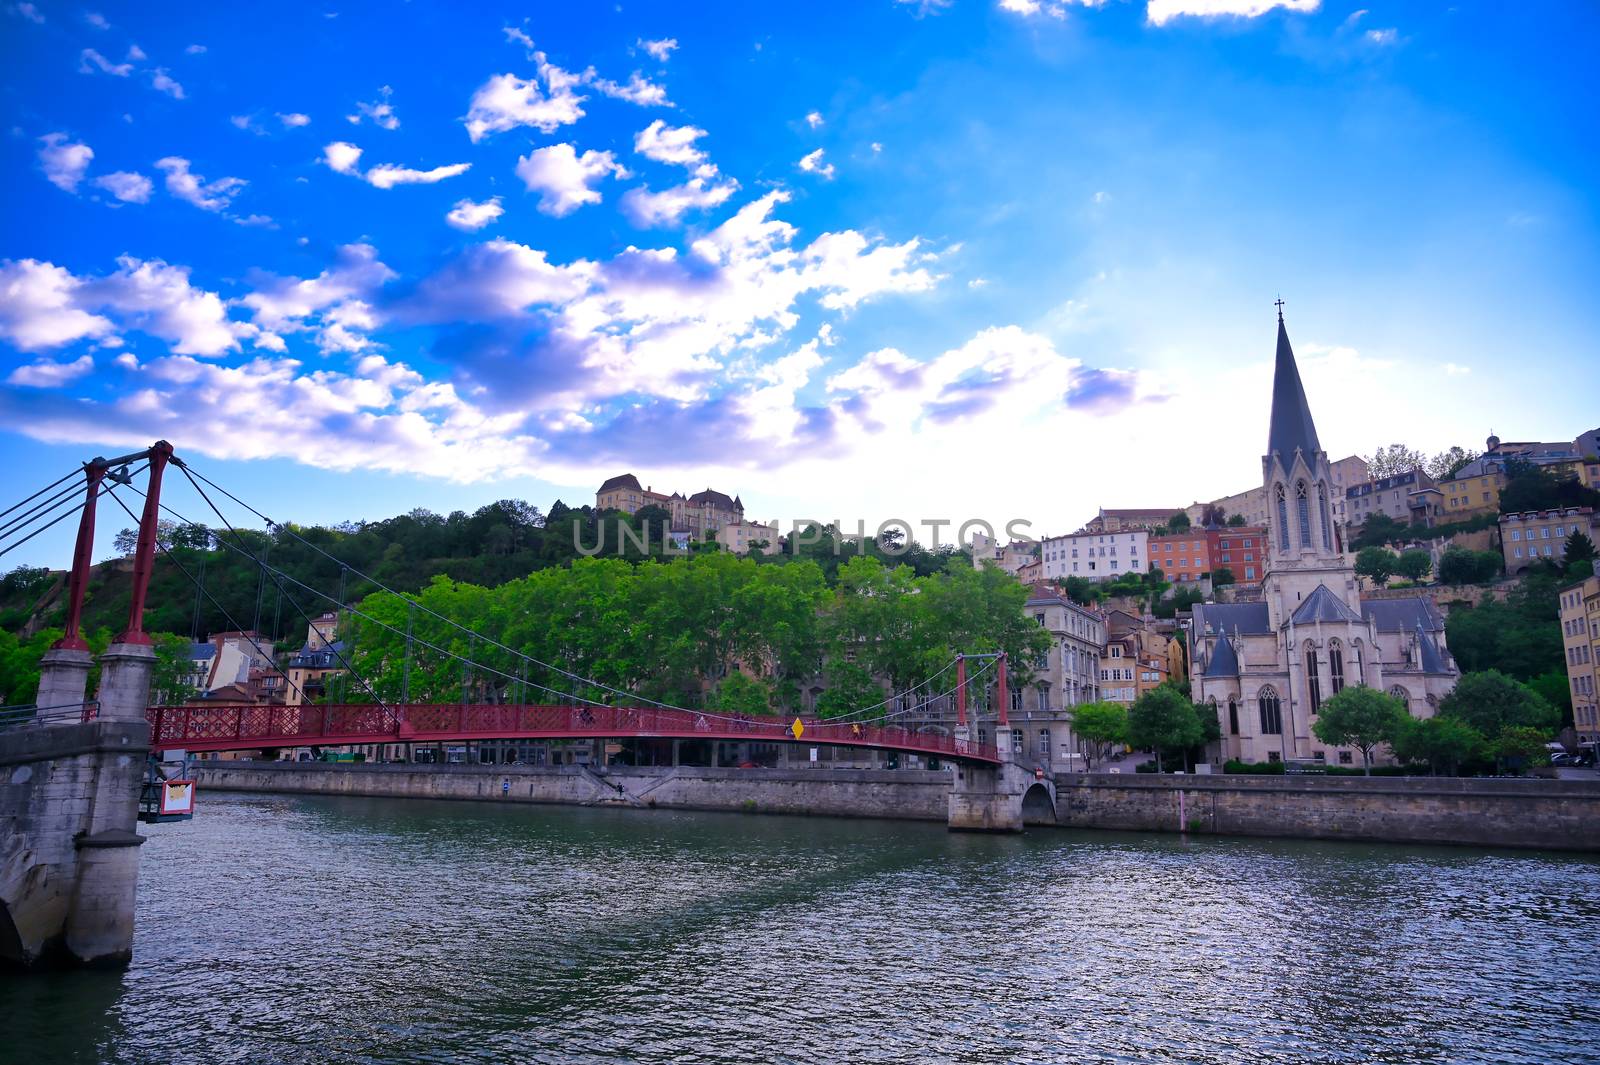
(984, 258)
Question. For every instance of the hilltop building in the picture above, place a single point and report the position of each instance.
(699, 517)
(1580, 637)
(1096, 556)
(1267, 665)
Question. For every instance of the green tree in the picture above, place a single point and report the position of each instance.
(1236, 520)
(1579, 548)
(1100, 727)
(1414, 565)
(1521, 747)
(1396, 458)
(1163, 718)
(1457, 565)
(1495, 705)
(1179, 522)
(851, 690)
(169, 681)
(1360, 717)
(1221, 577)
(1376, 564)
(1379, 529)
(1445, 743)
(741, 694)
(1446, 464)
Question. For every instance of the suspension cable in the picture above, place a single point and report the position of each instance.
(39, 493)
(272, 659)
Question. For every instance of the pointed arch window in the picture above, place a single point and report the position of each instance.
(1400, 693)
(1302, 506)
(1335, 668)
(1233, 717)
(1271, 712)
(1313, 681)
(1322, 512)
(1283, 520)
(1361, 665)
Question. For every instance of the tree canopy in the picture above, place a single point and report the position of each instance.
(1360, 717)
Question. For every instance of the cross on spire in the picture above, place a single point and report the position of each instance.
(1279, 305)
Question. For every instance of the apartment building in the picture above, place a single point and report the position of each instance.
(1136, 660)
(1580, 636)
(1194, 555)
(1406, 497)
(1536, 534)
(1096, 556)
(1065, 676)
(1111, 521)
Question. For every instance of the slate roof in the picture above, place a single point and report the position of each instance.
(1248, 619)
(1292, 428)
(716, 499)
(1323, 605)
(627, 480)
(1432, 660)
(1403, 615)
(201, 651)
(1224, 662)
(321, 658)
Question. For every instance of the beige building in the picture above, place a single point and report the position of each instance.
(1137, 658)
(1580, 636)
(1011, 557)
(701, 516)
(741, 537)
(1252, 502)
(1066, 676)
(1267, 665)
(316, 661)
(1535, 534)
(1406, 497)
(1468, 495)
(1111, 521)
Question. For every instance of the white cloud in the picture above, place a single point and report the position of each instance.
(638, 90)
(195, 49)
(814, 119)
(342, 157)
(161, 81)
(518, 36)
(136, 54)
(660, 50)
(47, 373)
(1456, 369)
(64, 162)
(1382, 37)
(388, 175)
(564, 178)
(647, 209)
(27, 11)
(97, 20)
(156, 298)
(294, 119)
(505, 102)
(126, 186)
(380, 112)
(336, 304)
(876, 147)
(670, 144)
(1160, 12)
(469, 216)
(192, 188)
(812, 163)
(40, 306)
(90, 59)
(926, 7)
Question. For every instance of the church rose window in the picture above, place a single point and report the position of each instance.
(1271, 712)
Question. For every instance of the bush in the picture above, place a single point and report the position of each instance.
(1233, 765)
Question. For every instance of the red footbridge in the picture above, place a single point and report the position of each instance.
(237, 727)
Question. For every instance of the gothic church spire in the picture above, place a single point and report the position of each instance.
(1292, 427)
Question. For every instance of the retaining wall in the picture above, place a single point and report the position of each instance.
(1556, 814)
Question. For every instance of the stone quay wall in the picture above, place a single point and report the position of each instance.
(1549, 814)
(920, 795)
(1534, 813)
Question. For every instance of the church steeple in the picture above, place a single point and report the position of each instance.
(1292, 428)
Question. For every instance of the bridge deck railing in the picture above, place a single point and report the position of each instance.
(243, 726)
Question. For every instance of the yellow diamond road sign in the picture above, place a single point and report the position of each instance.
(797, 728)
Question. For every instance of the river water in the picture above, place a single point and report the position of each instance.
(305, 929)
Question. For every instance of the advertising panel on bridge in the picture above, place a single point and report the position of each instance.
(177, 798)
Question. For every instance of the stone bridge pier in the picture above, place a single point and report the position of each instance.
(69, 804)
(1000, 798)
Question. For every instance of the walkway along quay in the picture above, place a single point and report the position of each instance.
(1523, 813)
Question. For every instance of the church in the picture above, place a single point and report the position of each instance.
(1267, 665)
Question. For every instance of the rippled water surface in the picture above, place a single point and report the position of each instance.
(279, 929)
